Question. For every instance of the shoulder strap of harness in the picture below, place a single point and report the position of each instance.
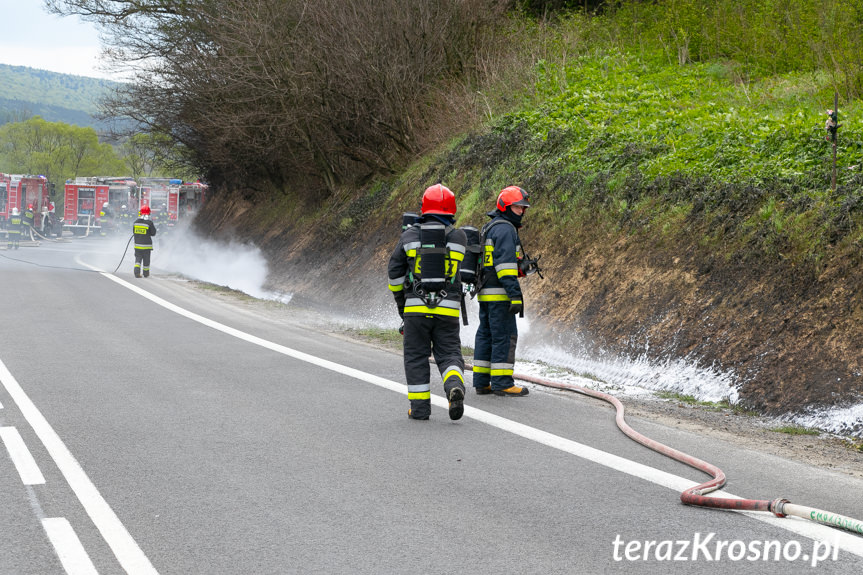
(483, 234)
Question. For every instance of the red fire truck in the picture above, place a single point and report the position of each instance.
(84, 198)
(20, 191)
(172, 200)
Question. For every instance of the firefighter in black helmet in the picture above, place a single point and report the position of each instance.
(424, 279)
(500, 298)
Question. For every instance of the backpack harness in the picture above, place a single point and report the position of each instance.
(429, 276)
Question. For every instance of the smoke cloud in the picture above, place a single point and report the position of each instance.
(239, 266)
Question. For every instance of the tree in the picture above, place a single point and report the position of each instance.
(55, 150)
(301, 91)
(146, 154)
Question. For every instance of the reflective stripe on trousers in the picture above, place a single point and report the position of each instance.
(494, 346)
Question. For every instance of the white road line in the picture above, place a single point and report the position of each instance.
(72, 554)
(130, 556)
(846, 541)
(21, 457)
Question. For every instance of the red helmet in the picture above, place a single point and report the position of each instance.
(512, 196)
(438, 199)
(145, 210)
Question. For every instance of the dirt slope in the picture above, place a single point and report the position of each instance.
(791, 337)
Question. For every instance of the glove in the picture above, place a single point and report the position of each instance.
(402, 328)
(400, 303)
(516, 307)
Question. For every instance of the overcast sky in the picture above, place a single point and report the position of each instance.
(31, 37)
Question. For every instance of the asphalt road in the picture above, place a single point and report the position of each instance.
(150, 427)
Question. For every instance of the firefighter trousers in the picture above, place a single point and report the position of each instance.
(431, 335)
(494, 346)
(142, 257)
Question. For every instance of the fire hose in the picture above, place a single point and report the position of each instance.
(34, 232)
(124, 254)
(697, 496)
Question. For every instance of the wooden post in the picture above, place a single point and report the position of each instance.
(834, 138)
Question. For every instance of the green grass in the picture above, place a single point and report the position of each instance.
(854, 445)
(684, 398)
(388, 337)
(795, 430)
(223, 290)
(635, 145)
(722, 405)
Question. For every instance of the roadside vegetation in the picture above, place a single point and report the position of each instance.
(795, 430)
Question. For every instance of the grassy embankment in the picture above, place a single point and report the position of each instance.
(639, 145)
(635, 151)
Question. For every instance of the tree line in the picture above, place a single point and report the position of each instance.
(61, 151)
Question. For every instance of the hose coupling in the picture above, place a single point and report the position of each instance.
(777, 507)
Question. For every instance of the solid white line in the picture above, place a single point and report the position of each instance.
(21, 457)
(846, 541)
(130, 556)
(72, 554)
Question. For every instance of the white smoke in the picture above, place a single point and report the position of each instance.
(238, 266)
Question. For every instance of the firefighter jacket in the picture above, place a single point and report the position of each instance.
(501, 254)
(144, 231)
(29, 217)
(13, 224)
(406, 275)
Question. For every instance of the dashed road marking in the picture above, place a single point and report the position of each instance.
(126, 550)
(21, 457)
(72, 554)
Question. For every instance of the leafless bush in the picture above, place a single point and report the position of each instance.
(302, 93)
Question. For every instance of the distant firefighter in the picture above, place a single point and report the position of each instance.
(144, 231)
(13, 229)
(28, 220)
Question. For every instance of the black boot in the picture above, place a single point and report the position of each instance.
(456, 403)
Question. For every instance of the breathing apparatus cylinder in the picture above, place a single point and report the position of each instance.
(470, 264)
(432, 256)
(409, 219)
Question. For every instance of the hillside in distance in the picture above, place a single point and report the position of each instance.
(26, 92)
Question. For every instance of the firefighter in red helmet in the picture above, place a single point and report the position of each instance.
(424, 279)
(144, 230)
(500, 298)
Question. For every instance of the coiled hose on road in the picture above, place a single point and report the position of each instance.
(698, 495)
